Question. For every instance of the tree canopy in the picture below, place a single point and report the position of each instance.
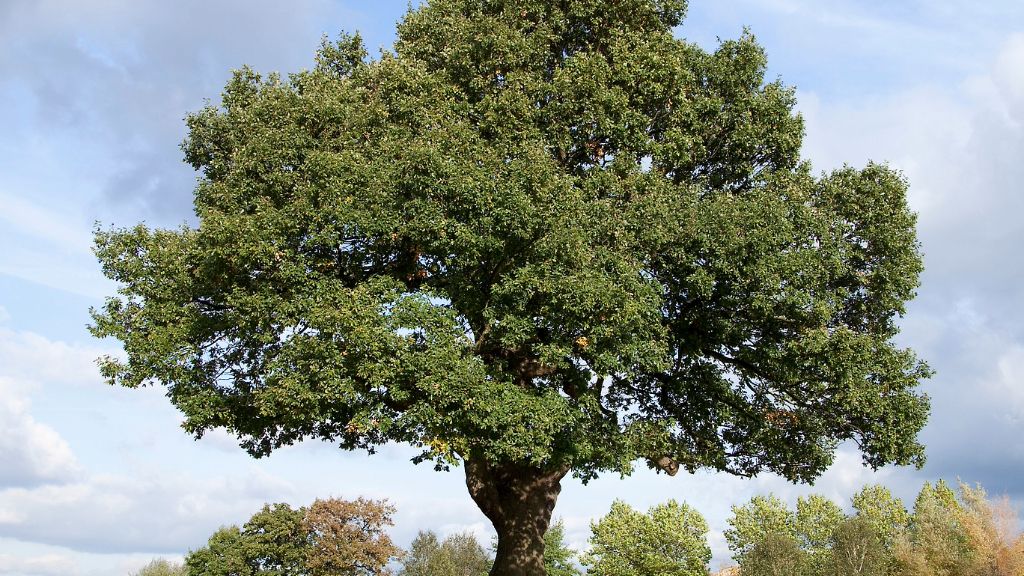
(537, 238)
(946, 535)
(670, 540)
(456, 555)
(161, 567)
(330, 537)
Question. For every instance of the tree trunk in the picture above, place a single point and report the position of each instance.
(518, 500)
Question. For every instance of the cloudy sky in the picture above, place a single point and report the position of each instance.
(97, 480)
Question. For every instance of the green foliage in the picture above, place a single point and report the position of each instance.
(775, 554)
(161, 567)
(755, 521)
(558, 558)
(857, 549)
(670, 540)
(947, 535)
(767, 529)
(529, 208)
(938, 542)
(417, 560)
(817, 519)
(887, 517)
(885, 513)
(457, 555)
(275, 541)
(226, 554)
(272, 543)
(282, 541)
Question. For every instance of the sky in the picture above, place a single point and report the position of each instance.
(96, 480)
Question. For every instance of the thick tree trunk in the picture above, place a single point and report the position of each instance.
(518, 500)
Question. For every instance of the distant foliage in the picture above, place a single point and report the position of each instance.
(456, 555)
(670, 540)
(332, 537)
(161, 567)
(966, 536)
(754, 522)
(857, 549)
(817, 519)
(347, 537)
(558, 558)
(935, 544)
(948, 533)
(776, 554)
(992, 530)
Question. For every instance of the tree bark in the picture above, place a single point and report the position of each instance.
(518, 500)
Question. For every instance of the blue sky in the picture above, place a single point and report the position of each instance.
(97, 480)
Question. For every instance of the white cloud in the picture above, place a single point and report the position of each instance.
(29, 359)
(32, 453)
(167, 511)
(42, 225)
(48, 565)
(48, 496)
(961, 151)
(1009, 387)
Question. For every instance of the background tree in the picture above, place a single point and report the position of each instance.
(537, 238)
(332, 537)
(816, 521)
(886, 515)
(767, 522)
(993, 534)
(457, 555)
(857, 549)
(558, 558)
(884, 512)
(936, 544)
(161, 567)
(274, 541)
(226, 554)
(670, 540)
(775, 554)
(416, 560)
(347, 538)
(755, 521)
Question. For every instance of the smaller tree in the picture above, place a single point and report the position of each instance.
(162, 567)
(331, 537)
(992, 532)
(936, 544)
(857, 549)
(227, 553)
(275, 542)
(884, 512)
(458, 555)
(816, 521)
(558, 558)
(348, 538)
(755, 521)
(774, 554)
(670, 540)
(886, 515)
(417, 560)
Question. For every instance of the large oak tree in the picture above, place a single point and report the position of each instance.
(536, 238)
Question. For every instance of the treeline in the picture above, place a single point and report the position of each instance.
(343, 538)
(944, 533)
